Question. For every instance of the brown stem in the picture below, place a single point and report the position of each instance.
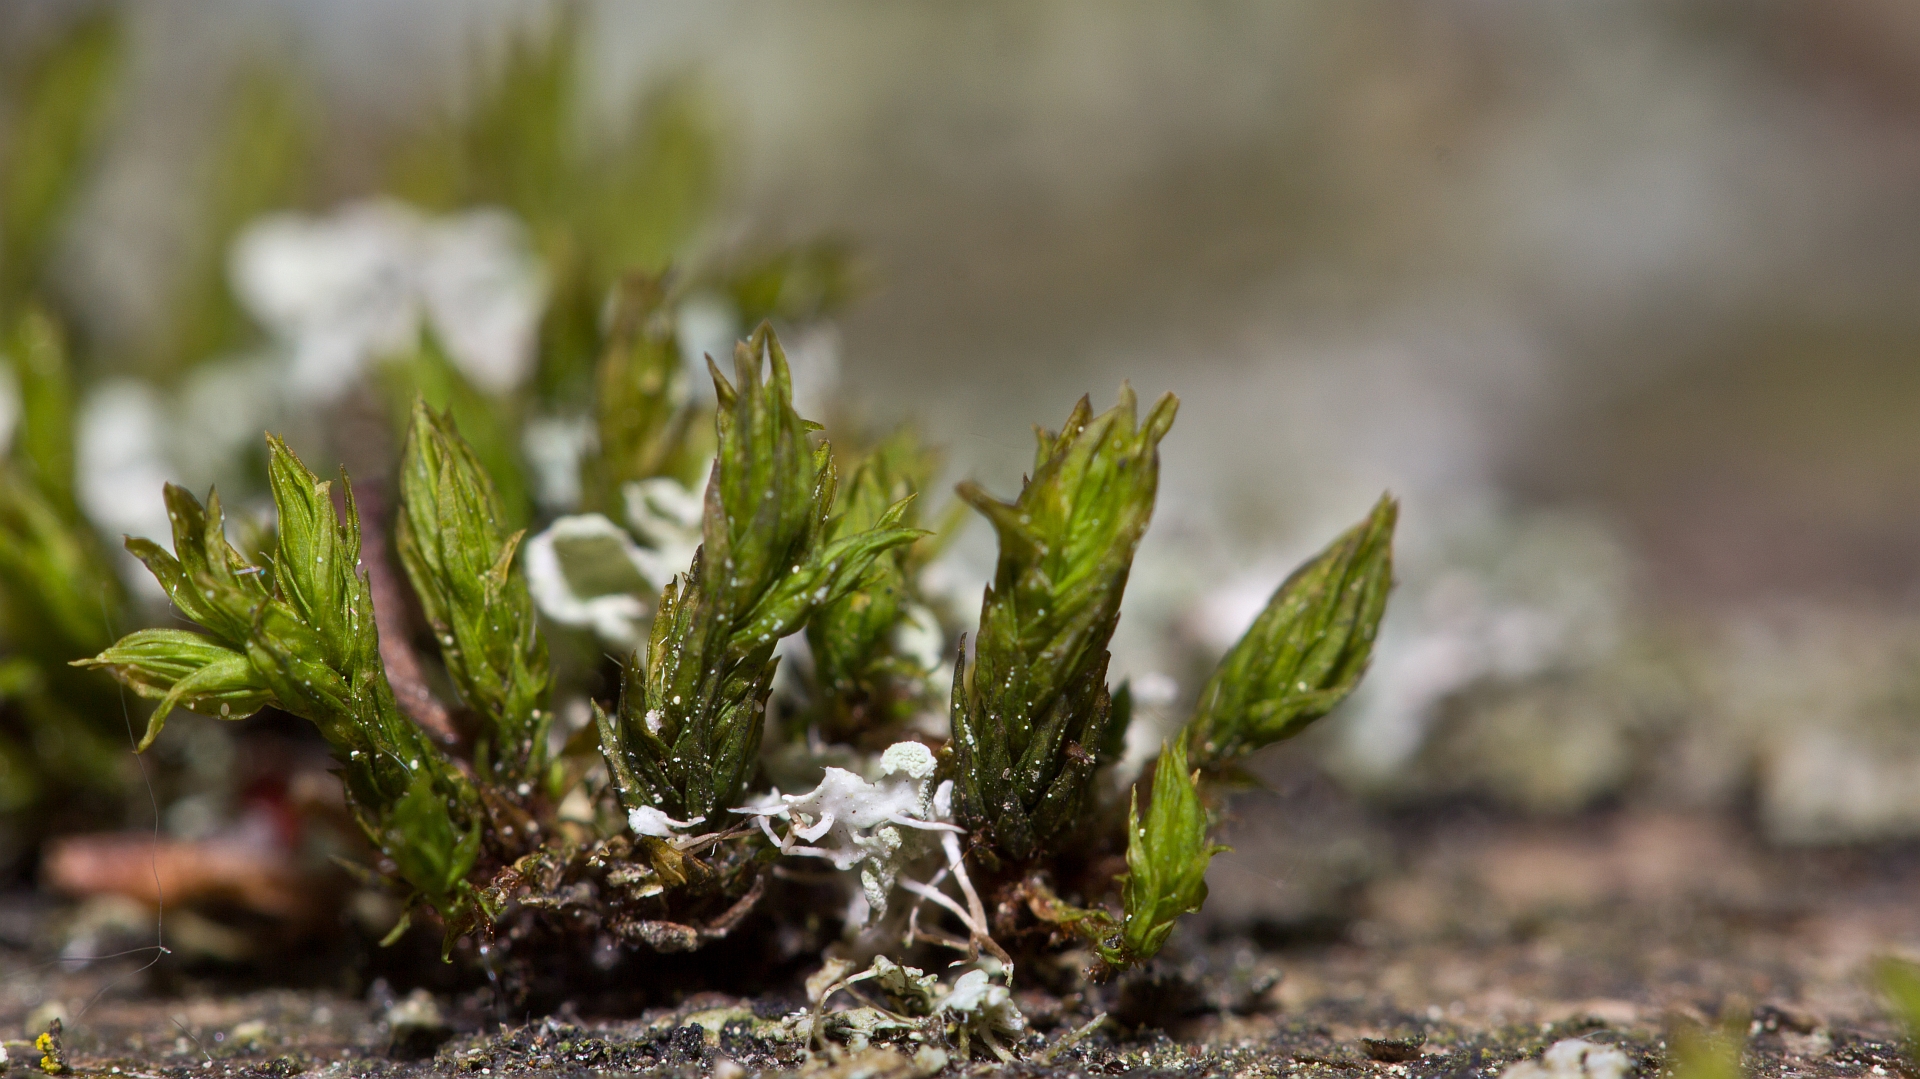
(259, 878)
(364, 439)
(404, 674)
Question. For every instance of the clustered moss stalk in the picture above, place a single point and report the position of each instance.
(864, 684)
(300, 635)
(686, 735)
(451, 537)
(783, 551)
(1033, 717)
(1031, 712)
(473, 832)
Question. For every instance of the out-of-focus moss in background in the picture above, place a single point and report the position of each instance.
(1619, 299)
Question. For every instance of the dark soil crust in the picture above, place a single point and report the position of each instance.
(1483, 941)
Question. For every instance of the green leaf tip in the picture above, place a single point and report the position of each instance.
(1306, 651)
(1033, 710)
(685, 737)
(866, 678)
(316, 644)
(1167, 859)
(451, 536)
(210, 581)
(1166, 877)
(490, 425)
(217, 588)
(432, 854)
(183, 668)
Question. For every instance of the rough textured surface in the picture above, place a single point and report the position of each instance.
(1459, 942)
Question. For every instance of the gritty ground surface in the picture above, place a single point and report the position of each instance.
(1484, 941)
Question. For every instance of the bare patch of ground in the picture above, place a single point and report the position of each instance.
(1475, 941)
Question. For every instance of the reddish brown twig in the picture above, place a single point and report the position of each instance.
(153, 870)
(409, 683)
(364, 438)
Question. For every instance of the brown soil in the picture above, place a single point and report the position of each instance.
(1474, 941)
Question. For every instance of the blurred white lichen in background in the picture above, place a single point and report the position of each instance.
(920, 640)
(9, 403)
(1573, 1058)
(585, 571)
(119, 460)
(1817, 702)
(363, 281)
(1517, 596)
(665, 515)
(218, 413)
(553, 447)
(813, 360)
(706, 324)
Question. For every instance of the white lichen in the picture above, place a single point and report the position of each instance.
(665, 515)
(360, 283)
(974, 1006)
(553, 446)
(9, 400)
(1573, 1058)
(650, 821)
(586, 571)
(982, 1008)
(705, 324)
(121, 462)
(910, 990)
(919, 639)
(853, 822)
